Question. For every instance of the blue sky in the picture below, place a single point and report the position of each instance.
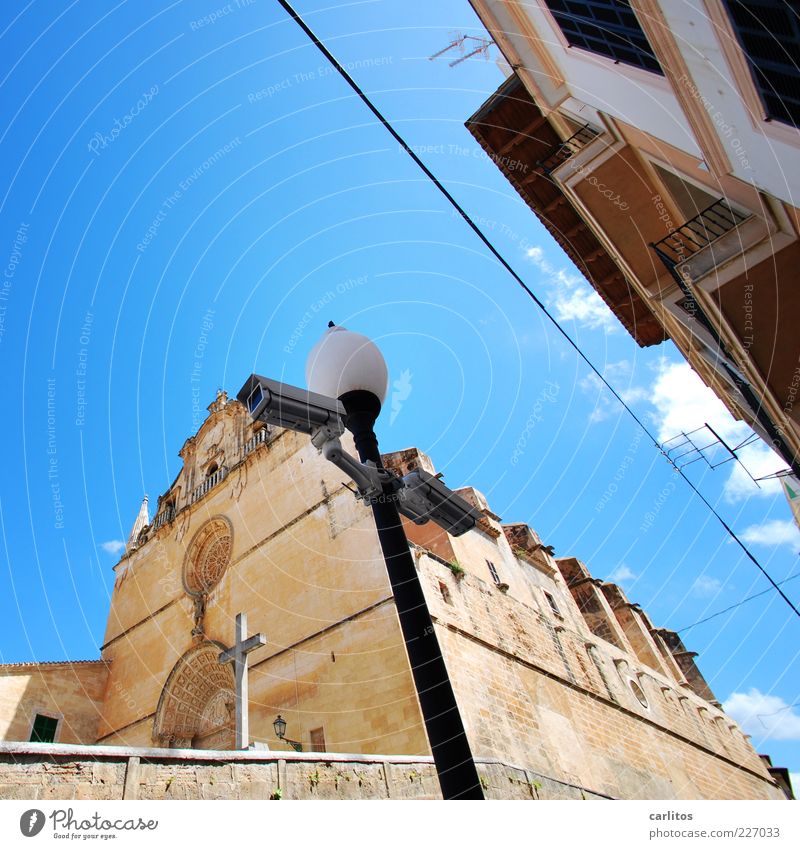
(189, 194)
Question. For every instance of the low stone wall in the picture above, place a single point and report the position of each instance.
(53, 771)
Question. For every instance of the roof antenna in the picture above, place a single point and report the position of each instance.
(459, 41)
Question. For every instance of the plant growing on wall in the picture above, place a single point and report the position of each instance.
(457, 569)
(339, 775)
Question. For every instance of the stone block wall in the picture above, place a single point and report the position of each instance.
(42, 772)
(70, 692)
(305, 566)
(565, 703)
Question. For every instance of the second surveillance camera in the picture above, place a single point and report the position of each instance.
(423, 496)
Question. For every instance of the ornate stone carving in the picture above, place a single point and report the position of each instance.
(212, 441)
(199, 615)
(196, 704)
(208, 556)
(239, 481)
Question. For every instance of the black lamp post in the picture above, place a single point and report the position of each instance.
(350, 367)
(280, 732)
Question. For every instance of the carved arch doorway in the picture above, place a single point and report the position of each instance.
(196, 708)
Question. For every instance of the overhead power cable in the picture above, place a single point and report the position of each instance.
(501, 259)
(734, 606)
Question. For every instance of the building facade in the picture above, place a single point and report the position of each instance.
(555, 672)
(657, 141)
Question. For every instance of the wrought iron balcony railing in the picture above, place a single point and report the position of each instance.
(209, 483)
(562, 151)
(699, 232)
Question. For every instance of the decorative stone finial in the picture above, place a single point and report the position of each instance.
(219, 402)
(142, 521)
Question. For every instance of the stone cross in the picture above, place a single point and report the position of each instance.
(237, 655)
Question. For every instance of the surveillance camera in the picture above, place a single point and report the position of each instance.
(288, 406)
(425, 497)
(419, 495)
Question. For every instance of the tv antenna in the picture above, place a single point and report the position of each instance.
(684, 449)
(481, 46)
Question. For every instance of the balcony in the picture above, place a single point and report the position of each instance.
(260, 437)
(164, 517)
(560, 153)
(699, 233)
(209, 483)
(511, 121)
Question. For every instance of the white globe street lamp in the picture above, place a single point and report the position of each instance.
(343, 361)
(349, 366)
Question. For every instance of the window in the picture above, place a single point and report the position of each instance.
(44, 729)
(607, 27)
(445, 591)
(211, 469)
(493, 571)
(317, 740)
(690, 199)
(769, 34)
(638, 692)
(552, 602)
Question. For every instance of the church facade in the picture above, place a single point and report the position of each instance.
(554, 671)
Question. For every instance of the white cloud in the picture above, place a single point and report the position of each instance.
(759, 461)
(594, 388)
(618, 371)
(684, 403)
(113, 546)
(774, 532)
(705, 585)
(605, 404)
(622, 573)
(764, 716)
(573, 298)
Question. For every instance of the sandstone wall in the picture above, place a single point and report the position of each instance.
(71, 692)
(37, 771)
(535, 691)
(307, 569)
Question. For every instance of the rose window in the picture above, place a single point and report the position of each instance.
(208, 556)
